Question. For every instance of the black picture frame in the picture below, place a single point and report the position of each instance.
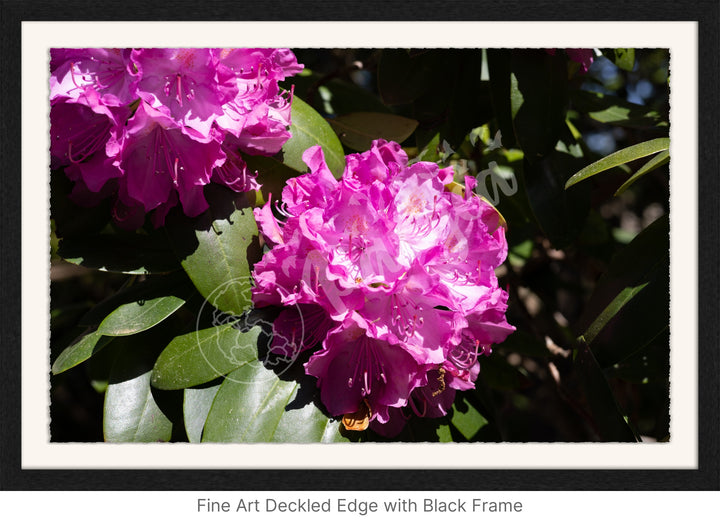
(705, 477)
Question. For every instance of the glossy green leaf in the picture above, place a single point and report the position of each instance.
(219, 266)
(659, 160)
(308, 129)
(79, 351)
(135, 317)
(620, 157)
(255, 405)
(131, 412)
(358, 130)
(139, 290)
(607, 417)
(196, 406)
(201, 356)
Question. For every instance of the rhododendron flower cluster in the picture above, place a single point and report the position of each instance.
(389, 278)
(154, 126)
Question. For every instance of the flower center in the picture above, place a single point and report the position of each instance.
(182, 86)
(406, 315)
(368, 367)
(167, 160)
(83, 141)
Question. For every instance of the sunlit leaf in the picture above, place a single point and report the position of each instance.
(308, 129)
(131, 412)
(615, 111)
(79, 351)
(135, 317)
(630, 304)
(659, 160)
(620, 157)
(219, 265)
(196, 406)
(201, 356)
(255, 405)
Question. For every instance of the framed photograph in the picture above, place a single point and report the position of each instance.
(323, 252)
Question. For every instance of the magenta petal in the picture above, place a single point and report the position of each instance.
(353, 367)
(106, 72)
(584, 57)
(184, 84)
(404, 270)
(159, 159)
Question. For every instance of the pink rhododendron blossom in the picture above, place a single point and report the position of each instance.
(164, 123)
(388, 282)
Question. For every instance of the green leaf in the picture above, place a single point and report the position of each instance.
(219, 265)
(615, 111)
(609, 420)
(196, 406)
(131, 412)
(467, 419)
(624, 58)
(137, 290)
(358, 130)
(79, 351)
(135, 317)
(201, 356)
(620, 157)
(308, 129)
(255, 405)
(611, 310)
(659, 160)
(630, 304)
